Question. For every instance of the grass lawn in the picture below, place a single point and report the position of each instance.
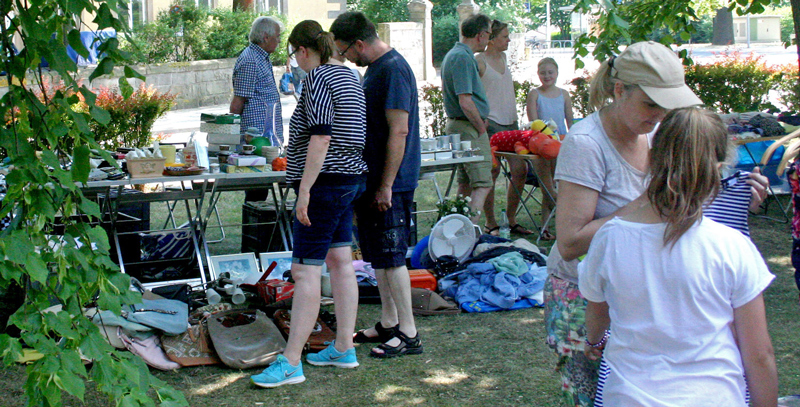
(494, 359)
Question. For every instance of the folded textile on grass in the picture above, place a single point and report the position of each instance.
(483, 282)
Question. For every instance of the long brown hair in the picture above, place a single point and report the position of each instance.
(684, 162)
(309, 34)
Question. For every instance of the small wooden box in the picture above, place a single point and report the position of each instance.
(422, 278)
(146, 167)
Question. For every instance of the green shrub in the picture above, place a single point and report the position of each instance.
(580, 94)
(434, 110)
(735, 83)
(788, 87)
(186, 32)
(521, 90)
(131, 119)
(445, 34)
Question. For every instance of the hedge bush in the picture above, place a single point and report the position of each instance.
(131, 119)
(735, 83)
(445, 34)
(186, 32)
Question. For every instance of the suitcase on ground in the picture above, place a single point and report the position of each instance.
(422, 278)
(319, 335)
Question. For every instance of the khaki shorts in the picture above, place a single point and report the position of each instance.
(477, 174)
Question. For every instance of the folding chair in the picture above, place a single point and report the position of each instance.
(773, 164)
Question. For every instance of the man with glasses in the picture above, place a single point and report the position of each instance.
(467, 107)
(392, 153)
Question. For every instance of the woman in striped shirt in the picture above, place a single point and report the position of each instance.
(326, 167)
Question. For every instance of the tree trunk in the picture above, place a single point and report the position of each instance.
(796, 19)
(723, 27)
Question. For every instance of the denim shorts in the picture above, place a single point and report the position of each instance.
(330, 211)
(383, 236)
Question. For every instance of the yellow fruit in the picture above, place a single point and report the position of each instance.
(547, 131)
(538, 125)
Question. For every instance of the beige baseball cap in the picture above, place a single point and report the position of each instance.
(657, 71)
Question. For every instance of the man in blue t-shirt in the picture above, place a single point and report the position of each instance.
(392, 153)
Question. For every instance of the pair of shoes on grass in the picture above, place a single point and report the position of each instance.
(282, 372)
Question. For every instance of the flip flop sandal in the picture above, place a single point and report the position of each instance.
(407, 346)
(546, 235)
(384, 334)
(520, 230)
(490, 231)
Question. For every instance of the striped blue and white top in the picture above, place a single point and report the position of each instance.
(332, 104)
(730, 207)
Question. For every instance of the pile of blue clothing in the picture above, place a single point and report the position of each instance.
(503, 278)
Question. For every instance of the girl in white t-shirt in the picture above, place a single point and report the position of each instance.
(681, 293)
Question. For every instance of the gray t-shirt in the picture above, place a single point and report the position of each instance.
(588, 158)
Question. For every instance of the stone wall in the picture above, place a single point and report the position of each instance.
(199, 83)
(406, 38)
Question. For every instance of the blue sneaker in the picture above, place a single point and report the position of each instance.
(280, 372)
(332, 357)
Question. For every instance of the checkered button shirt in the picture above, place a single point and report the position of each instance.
(253, 80)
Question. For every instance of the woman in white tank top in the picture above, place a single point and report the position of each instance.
(496, 78)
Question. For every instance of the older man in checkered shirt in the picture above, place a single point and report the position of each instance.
(255, 95)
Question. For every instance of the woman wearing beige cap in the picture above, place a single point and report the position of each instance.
(602, 172)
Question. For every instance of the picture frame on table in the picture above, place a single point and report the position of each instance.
(242, 266)
(284, 260)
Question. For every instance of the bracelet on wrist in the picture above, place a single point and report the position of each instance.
(602, 341)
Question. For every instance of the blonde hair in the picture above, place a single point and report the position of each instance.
(545, 61)
(687, 149)
(601, 89)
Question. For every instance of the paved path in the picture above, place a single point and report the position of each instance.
(179, 124)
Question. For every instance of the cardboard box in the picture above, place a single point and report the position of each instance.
(220, 128)
(275, 290)
(246, 160)
(235, 169)
(223, 138)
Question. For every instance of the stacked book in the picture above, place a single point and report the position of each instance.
(219, 134)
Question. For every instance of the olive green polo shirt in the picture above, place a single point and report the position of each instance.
(460, 76)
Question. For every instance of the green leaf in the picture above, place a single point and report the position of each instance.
(74, 38)
(132, 73)
(125, 88)
(36, 268)
(80, 163)
(100, 115)
(685, 36)
(105, 67)
(17, 247)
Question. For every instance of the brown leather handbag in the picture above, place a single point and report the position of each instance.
(320, 336)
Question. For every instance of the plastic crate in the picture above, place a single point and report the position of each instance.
(260, 231)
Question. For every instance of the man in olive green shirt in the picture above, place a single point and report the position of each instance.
(467, 107)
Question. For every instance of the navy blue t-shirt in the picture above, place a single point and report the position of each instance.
(389, 83)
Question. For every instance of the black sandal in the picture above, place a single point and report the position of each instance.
(520, 230)
(407, 346)
(489, 231)
(384, 334)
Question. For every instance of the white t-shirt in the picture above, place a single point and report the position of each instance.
(588, 158)
(671, 310)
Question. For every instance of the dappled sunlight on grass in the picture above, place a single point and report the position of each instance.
(389, 391)
(488, 383)
(441, 377)
(221, 381)
(784, 261)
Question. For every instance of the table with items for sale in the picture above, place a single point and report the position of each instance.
(199, 195)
